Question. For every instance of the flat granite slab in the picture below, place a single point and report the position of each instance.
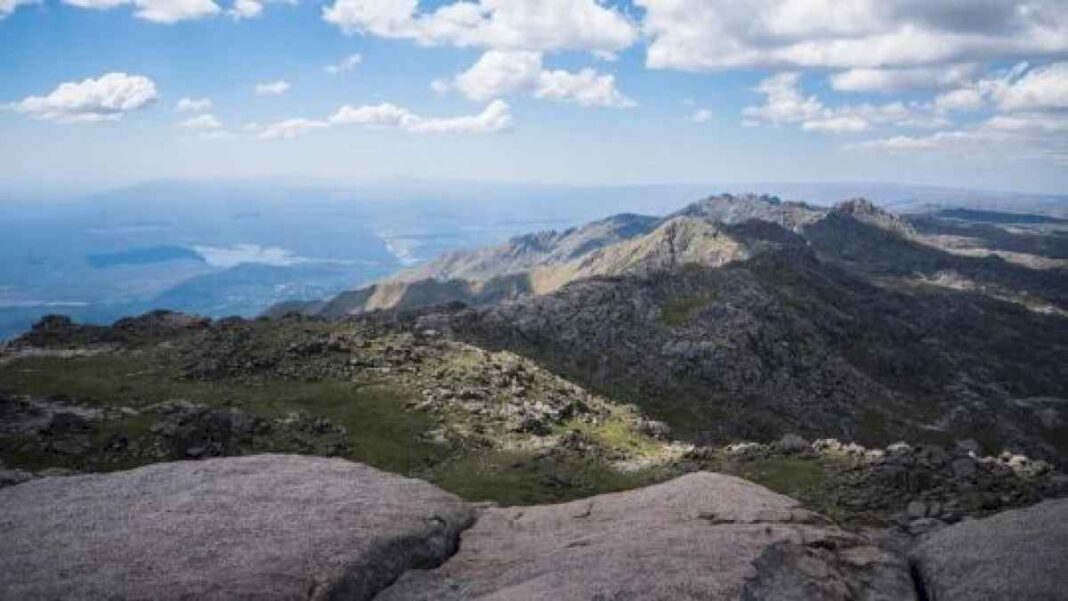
(700, 537)
(1018, 555)
(264, 527)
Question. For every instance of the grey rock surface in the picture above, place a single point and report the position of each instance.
(261, 527)
(702, 536)
(1020, 555)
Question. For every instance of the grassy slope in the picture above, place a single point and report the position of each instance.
(381, 431)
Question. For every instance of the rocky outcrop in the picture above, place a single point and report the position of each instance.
(1019, 554)
(703, 536)
(264, 527)
(915, 489)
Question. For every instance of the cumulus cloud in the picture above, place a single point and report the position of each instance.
(274, 88)
(344, 65)
(106, 98)
(500, 73)
(503, 72)
(193, 105)
(1045, 88)
(201, 122)
(900, 80)
(157, 11)
(494, 118)
(697, 35)
(245, 9)
(962, 99)
(289, 128)
(585, 88)
(984, 140)
(785, 104)
(837, 125)
(541, 25)
(1030, 122)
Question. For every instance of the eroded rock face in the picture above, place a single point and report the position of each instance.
(263, 527)
(703, 536)
(1019, 554)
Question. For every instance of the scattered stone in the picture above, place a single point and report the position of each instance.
(654, 429)
(792, 443)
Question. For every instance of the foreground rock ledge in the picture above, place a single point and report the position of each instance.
(263, 527)
(703, 536)
(1020, 554)
(276, 527)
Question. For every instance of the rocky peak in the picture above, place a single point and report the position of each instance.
(866, 211)
(734, 209)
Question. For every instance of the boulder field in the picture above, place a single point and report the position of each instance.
(277, 527)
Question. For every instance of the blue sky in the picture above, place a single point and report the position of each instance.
(968, 95)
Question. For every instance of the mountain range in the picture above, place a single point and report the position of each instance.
(744, 316)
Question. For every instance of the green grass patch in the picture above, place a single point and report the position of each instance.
(792, 476)
(517, 478)
(381, 432)
(617, 434)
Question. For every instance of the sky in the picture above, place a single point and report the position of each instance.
(963, 93)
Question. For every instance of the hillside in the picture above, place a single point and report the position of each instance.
(744, 317)
(606, 357)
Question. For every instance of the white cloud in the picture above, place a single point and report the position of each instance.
(275, 88)
(107, 98)
(699, 35)
(344, 65)
(201, 122)
(503, 72)
(494, 118)
(157, 11)
(1044, 88)
(1017, 89)
(785, 104)
(8, 6)
(193, 105)
(837, 125)
(1025, 136)
(963, 99)
(585, 88)
(377, 115)
(245, 9)
(900, 80)
(540, 25)
(500, 73)
(701, 116)
(1034, 122)
(289, 128)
